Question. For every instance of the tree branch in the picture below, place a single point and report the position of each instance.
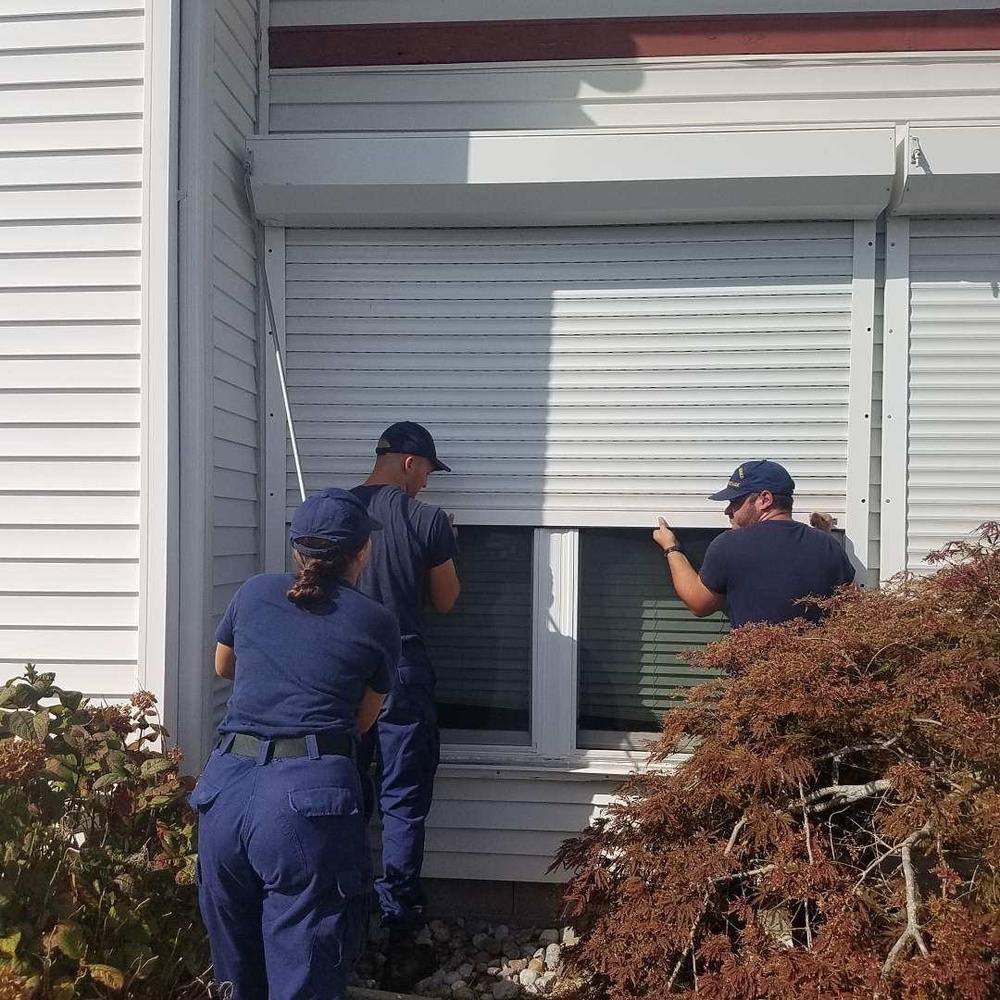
(689, 947)
(842, 795)
(809, 852)
(912, 930)
(905, 844)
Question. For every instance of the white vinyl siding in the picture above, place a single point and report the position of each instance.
(235, 460)
(953, 473)
(500, 825)
(71, 138)
(576, 376)
(716, 91)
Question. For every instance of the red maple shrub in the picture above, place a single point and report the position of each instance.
(835, 831)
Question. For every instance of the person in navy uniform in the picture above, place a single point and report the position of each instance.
(284, 863)
(762, 570)
(412, 565)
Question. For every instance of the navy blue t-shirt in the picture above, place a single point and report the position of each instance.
(416, 538)
(300, 672)
(764, 568)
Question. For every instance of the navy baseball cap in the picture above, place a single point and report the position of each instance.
(755, 477)
(335, 515)
(408, 438)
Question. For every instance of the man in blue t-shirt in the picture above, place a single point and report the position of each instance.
(763, 569)
(412, 566)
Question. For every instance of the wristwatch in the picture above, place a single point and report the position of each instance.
(671, 548)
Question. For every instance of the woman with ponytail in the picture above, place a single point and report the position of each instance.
(284, 865)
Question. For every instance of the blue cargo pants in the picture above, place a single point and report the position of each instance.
(284, 872)
(406, 747)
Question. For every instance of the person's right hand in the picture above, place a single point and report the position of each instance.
(663, 536)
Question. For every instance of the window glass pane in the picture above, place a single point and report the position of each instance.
(632, 626)
(482, 651)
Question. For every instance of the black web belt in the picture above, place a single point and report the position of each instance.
(245, 745)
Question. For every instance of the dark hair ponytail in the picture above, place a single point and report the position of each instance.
(317, 578)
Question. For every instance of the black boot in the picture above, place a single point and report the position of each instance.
(407, 961)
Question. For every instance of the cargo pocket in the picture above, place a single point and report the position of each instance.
(204, 795)
(327, 828)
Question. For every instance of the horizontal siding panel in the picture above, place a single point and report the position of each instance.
(81, 645)
(486, 843)
(494, 868)
(71, 136)
(17, 274)
(666, 93)
(38, 8)
(84, 168)
(66, 577)
(37, 474)
(60, 408)
(78, 203)
(68, 102)
(72, 33)
(234, 541)
(69, 441)
(68, 237)
(79, 510)
(236, 513)
(87, 66)
(71, 373)
(120, 543)
(70, 303)
(97, 611)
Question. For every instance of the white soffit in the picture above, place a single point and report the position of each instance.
(571, 177)
(951, 170)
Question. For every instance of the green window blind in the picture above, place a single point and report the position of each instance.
(632, 626)
(481, 651)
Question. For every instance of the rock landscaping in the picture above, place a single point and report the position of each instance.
(480, 961)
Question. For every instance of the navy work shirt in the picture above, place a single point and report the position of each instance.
(764, 568)
(300, 672)
(416, 538)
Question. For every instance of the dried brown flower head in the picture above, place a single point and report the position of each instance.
(20, 759)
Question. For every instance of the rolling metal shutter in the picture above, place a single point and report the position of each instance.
(577, 376)
(953, 474)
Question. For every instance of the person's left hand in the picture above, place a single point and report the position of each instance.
(663, 536)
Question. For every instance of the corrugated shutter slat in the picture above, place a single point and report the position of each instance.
(552, 364)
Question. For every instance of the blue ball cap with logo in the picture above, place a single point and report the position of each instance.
(336, 516)
(408, 438)
(755, 477)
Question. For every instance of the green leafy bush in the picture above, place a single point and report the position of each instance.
(97, 894)
(835, 833)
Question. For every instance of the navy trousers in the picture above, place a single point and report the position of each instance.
(284, 872)
(406, 747)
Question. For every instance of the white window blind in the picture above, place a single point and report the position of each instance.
(575, 376)
(632, 628)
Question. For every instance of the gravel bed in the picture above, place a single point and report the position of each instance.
(481, 961)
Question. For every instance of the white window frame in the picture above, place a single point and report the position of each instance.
(554, 675)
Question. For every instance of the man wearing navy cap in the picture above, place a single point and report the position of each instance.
(412, 565)
(765, 567)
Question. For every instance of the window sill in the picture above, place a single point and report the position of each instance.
(587, 765)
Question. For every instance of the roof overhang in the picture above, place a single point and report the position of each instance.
(571, 177)
(950, 170)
